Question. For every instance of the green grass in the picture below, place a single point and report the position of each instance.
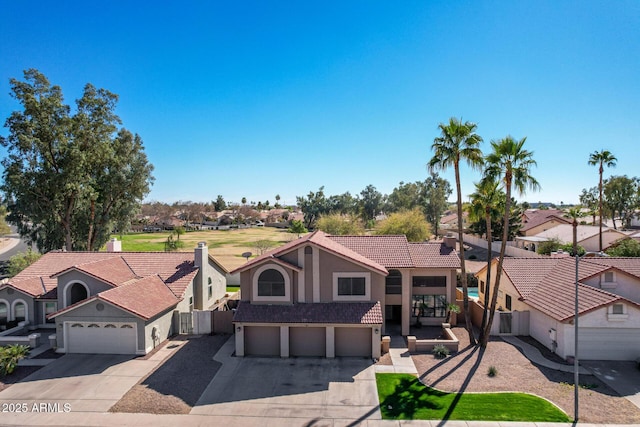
(404, 397)
(233, 288)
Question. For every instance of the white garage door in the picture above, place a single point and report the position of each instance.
(609, 344)
(101, 337)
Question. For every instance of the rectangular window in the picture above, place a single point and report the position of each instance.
(49, 308)
(210, 291)
(430, 281)
(351, 286)
(508, 302)
(617, 309)
(482, 286)
(429, 306)
(271, 289)
(608, 276)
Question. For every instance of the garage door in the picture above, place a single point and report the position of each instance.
(262, 340)
(353, 342)
(102, 338)
(609, 344)
(307, 342)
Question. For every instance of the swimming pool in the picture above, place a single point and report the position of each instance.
(473, 292)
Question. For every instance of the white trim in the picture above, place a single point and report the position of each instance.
(301, 290)
(71, 283)
(316, 274)
(287, 284)
(13, 309)
(367, 286)
(67, 324)
(44, 311)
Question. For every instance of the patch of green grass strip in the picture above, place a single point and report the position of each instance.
(404, 397)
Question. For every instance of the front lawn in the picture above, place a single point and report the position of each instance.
(404, 397)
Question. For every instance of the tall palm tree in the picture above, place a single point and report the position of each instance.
(484, 204)
(511, 164)
(601, 158)
(574, 213)
(458, 142)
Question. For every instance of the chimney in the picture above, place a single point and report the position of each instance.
(114, 245)
(449, 241)
(201, 254)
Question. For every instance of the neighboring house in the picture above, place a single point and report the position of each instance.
(587, 235)
(113, 302)
(450, 221)
(324, 295)
(537, 298)
(535, 221)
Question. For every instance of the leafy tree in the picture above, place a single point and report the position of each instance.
(340, 225)
(297, 227)
(277, 205)
(179, 231)
(589, 199)
(20, 261)
(173, 244)
(70, 179)
(410, 223)
(601, 158)
(10, 356)
(511, 164)
(407, 196)
(457, 142)
(436, 192)
(244, 200)
(554, 245)
(264, 245)
(622, 198)
(4, 227)
(371, 201)
(314, 205)
(343, 204)
(625, 248)
(220, 204)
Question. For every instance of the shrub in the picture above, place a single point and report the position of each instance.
(440, 351)
(493, 371)
(10, 356)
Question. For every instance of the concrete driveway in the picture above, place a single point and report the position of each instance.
(294, 388)
(84, 382)
(623, 377)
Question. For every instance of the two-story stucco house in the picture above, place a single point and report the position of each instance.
(537, 298)
(112, 302)
(329, 296)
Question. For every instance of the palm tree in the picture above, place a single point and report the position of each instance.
(458, 141)
(574, 213)
(510, 163)
(601, 158)
(484, 202)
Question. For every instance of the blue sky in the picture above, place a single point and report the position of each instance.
(259, 98)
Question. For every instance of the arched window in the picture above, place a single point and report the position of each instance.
(109, 326)
(393, 283)
(20, 312)
(271, 284)
(77, 293)
(4, 313)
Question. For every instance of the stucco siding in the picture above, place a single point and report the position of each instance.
(65, 280)
(10, 296)
(539, 327)
(164, 325)
(624, 285)
(218, 284)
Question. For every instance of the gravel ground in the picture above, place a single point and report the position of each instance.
(467, 371)
(176, 385)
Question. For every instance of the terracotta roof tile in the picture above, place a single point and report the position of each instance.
(389, 251)
(32, 286)
(434, 255)
(359, 313)
(145, 297)
(175, 268)
(536, 218)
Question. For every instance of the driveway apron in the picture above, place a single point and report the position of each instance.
(307, 388)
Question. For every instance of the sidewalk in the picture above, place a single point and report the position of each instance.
(401, 360)
(534, 355)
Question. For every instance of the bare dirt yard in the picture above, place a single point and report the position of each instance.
(176, 385)
(467, 371)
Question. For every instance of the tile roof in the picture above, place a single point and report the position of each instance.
(564, 232)
(535, 218)
(320, 239)
(176, 269)
(434, 255)
(358, 313)
(31, 285)
(390, 251)
(548, 284)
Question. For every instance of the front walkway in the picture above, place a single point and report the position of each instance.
(401, 360)
(534, 355)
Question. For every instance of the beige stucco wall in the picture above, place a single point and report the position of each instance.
(542, 227)
(506, 287)
(625, 285)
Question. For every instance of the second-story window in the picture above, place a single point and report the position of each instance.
(271, 284)
(393, 283)
(351, 286)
